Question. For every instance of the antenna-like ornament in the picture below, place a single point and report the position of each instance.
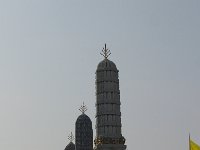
(71, 137)
(106, 52)
(83, 108)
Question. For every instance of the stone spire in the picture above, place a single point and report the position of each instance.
(83, 131)
(108, 115)
(71, 145)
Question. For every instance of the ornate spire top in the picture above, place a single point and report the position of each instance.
(83, 108)
(71, 137)
(106, 52)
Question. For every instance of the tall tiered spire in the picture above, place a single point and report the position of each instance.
(108, 114)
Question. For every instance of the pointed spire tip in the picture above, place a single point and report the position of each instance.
(83, 108)
(105, 52)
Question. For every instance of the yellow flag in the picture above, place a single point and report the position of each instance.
(194, 146)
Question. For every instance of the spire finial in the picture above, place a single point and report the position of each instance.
(83, 108)
(106, 52)
(71, 137)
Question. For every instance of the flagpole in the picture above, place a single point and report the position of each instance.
(189, 142)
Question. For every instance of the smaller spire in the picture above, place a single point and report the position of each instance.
(83, 108)
(106, 52)
(71, 137)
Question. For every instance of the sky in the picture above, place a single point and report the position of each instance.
(49, 51)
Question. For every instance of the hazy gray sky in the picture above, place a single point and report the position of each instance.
(49, 51)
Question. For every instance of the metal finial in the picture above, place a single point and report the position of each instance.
(83, 108)
(71, 137)
(106, 52)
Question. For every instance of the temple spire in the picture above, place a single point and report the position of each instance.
(106, 52)
(83, 108)
(71, 137)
